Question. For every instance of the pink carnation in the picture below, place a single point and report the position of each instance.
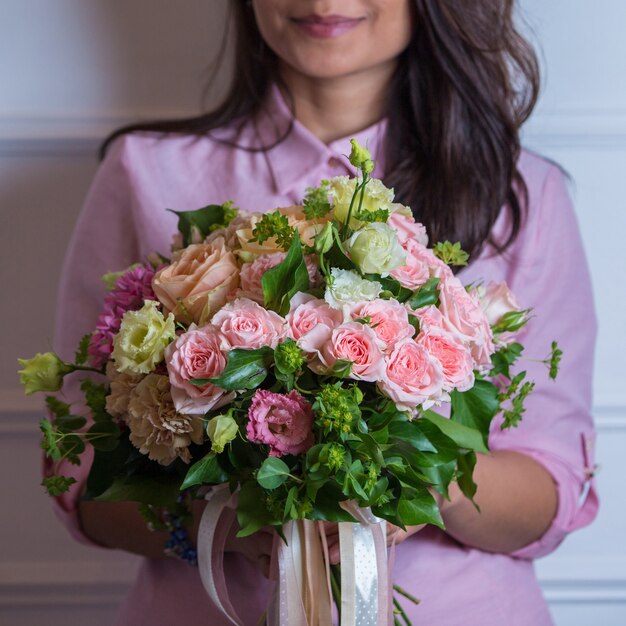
(245, 324)
(282, 421)
(388, 319)
(413, 377)
(129, 293)
(198, 353)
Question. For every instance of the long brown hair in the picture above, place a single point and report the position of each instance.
(461, 91)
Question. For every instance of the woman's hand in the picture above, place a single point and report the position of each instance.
(395, 534)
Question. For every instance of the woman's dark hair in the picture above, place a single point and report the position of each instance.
(461, 91)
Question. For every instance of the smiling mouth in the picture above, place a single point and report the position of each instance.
(326, 26)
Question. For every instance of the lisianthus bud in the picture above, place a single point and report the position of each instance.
(376, 250)
(324, 240)
(360, 157)
(142, 339)
(44, 372)
(221, 430)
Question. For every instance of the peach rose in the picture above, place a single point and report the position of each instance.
(412, 377)
(388, 319)
(453, 355)
(296, 218)
(198, 281)
(245, 324)
(198, 353)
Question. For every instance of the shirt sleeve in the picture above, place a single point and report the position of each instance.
(103, 241)
(551, 276)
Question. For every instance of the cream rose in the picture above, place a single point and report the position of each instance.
(375, 249)
(198, 282)
(341, 190)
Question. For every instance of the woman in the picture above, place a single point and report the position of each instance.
(438, 91)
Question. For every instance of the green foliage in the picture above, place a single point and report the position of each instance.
(274, 226)
(513, 397)
(476, 407)
(57, 485)
(465, 478)
(252, 511)
(337, 408)
(427, 294)
(49, 442)
(161, 490)
(103, 435)
(554, 360)
(207, 471)
(80, 358)
(272, 473)
(379, 215)
(288, 357)
(463, 436)
(417, 506)
(245, 369)
(511, 322)
(95, 398)
(316, 204)
(503, 358)
(451, 253)
(196, 225)
(284, 281)
(56, 407)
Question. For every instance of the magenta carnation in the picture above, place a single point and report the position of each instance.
(282, 421)
(129, 293)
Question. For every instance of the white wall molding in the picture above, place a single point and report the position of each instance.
(81, 133)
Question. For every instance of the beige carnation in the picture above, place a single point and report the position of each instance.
(156, 428)
(198, 282)
(121, 386)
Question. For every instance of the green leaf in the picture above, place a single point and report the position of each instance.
(103, 436)
(272, 473)
(326, 506)
(440, 476)
(159, 490)
(427, 294)
(203, 221)
(252, 513)
(284, 281)
(412, 434)
(451, 253)
(245, 369)
(556, 354)
(69, 423)
(95, 399)
(207, 471)
(289, 508)
(419, 507)
(107, 466)
(463, 436)
(49, 442)
(391, 285)
(82, 353)
(476, 407)
(56, 485)
(504, 358)
(465, 480)
(56, 407)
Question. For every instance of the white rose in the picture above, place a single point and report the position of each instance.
(347, 287)
(376, 250)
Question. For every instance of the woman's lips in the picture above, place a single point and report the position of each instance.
(326, 26)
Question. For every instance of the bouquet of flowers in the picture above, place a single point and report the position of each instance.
(319, 362)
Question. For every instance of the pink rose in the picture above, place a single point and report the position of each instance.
(357, 343)
(388, 319)
(430, 317)
(247, 325)
(198, 353)
(465, 318)
(252, 273)
(406, 227)
(421, 264)
(308, 312)
(198, 282)
(282, 421)
(496, 300)
(453, 355)
(413, 377)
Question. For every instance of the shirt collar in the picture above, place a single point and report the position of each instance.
(293, 158)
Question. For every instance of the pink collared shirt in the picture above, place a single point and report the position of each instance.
(124, 219)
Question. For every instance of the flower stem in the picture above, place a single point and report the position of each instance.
(406, 594)
(335, 585)
(401, 612)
